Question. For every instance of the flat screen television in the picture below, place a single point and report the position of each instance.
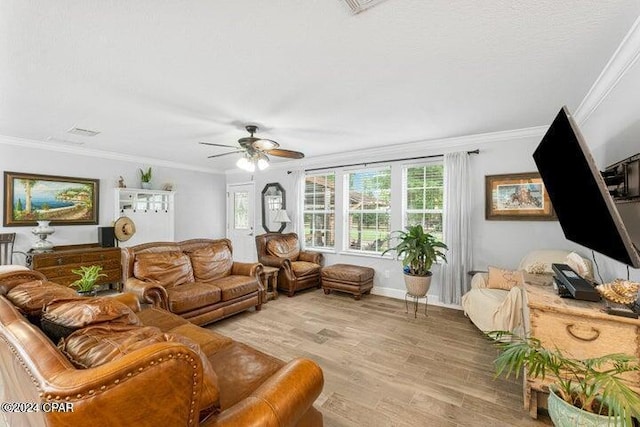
(586, 211)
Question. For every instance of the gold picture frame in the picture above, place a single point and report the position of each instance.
(517, 197)
(63, 200)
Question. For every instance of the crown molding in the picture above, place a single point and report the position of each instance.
(620, 62)
(418, 148)
(23, 142)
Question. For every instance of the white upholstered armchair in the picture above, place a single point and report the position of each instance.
(491, 308)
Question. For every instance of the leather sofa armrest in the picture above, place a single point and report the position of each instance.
(147, 292)
(274, 261)
(246, 268)
(282, 400)
(130, 300)
(13, 279)
(314, 257)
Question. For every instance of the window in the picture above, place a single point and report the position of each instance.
(319, 211)
(423, 197)
(368, 211)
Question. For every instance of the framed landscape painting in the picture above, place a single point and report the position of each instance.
(519, 197)
(62, 200)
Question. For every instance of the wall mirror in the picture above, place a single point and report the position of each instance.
(273, 200)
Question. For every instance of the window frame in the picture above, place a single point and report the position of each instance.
(327, 211)
(405, 211)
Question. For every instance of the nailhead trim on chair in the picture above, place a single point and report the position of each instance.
(91, 393)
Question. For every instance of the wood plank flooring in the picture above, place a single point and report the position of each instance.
(381, 366)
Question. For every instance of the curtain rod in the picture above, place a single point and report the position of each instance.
(476, 151)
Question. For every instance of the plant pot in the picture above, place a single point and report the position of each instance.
(564, 414)
(417, 286)
(91, 293)
(146, 185)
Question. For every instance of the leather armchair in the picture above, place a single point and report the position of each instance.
(298, 269)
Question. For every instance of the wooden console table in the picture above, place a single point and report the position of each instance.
(578, 328)
(57, 264)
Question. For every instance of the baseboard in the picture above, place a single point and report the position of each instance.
(400, 293)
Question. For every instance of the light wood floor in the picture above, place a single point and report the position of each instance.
(381, 366)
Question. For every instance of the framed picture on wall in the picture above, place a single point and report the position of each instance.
(62, 200)
(517, 197)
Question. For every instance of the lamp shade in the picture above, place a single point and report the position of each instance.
(282, 216)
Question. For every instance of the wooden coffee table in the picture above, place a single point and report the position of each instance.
(269, 279)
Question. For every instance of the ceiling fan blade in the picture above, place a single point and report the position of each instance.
(225, 154)
(285, 153)
(218, 145)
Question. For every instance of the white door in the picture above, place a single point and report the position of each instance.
(241, 200)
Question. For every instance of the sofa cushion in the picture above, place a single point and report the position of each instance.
(233, 287)
(192, 296)
(504, 279)
(161, 319)
(96, 345)
(539, 279)
(211, 262)
(284, 247)
(304, 268)
(209, 342)
(31, 297)
(61, 317)
(167, 269)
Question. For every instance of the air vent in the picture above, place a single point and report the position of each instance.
(82, 132)
(358, 6)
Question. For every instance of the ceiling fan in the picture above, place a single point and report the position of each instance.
(255, 151)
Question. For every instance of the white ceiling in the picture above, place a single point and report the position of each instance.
(155, 77)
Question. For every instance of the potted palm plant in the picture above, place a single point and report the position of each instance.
(85, 285)
(583, 392)
(145, 178)
(419, 250)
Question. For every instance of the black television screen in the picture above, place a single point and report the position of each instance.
(585, 209)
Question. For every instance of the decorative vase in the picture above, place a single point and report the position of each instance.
(564, 414)
(43, 230)
(146, 185)
(417, 286)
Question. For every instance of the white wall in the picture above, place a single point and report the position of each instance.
(499, 243)
(199, 199)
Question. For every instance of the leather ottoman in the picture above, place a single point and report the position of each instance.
(354, 279)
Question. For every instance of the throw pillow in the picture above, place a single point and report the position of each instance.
(504, 279)
(167, 269)
(31, 297)
(61, 317)
(536, 268)
(99, 344)
(579, 265)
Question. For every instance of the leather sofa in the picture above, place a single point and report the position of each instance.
(162, 383)
(298, 269)
(196, 279)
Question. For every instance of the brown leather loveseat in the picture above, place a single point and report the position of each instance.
(216, 382)
(196, 279)
(298, 269)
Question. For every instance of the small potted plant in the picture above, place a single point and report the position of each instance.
(419, 250)
(85, 285)
(145, 178)
(583, 392)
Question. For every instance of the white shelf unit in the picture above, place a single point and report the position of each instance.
(152, 212)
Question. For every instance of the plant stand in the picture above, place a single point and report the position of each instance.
(416, 300)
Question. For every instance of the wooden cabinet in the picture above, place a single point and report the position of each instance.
(57, 265)
(578, 328)
(152, 212)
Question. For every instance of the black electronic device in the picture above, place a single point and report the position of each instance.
(578, 287)
(106, 237)
(577, 191)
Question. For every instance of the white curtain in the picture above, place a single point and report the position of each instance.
(296, 204)
(457, 230)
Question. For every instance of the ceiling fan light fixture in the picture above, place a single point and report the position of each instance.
(263, 163)
(265, 144)
(245, 164)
